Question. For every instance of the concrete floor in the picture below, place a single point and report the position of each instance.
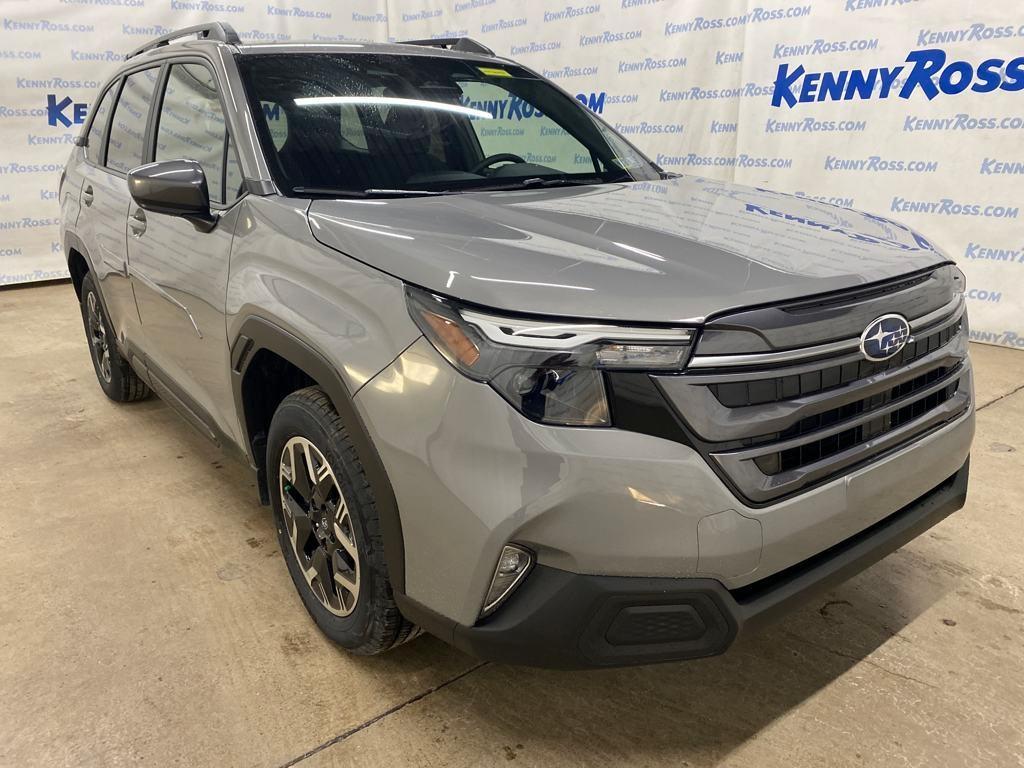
(146, 618)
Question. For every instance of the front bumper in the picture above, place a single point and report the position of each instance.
(566, 620)
(471, 474)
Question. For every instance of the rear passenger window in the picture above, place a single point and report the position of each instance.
(128, 129)
(100, 116)
(191, 126)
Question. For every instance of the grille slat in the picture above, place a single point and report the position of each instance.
(774, 431)
(794, 458)
(737, 394)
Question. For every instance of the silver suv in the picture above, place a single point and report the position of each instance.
(500, 376)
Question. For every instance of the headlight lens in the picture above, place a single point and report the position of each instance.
(569, 396)
(548, 370)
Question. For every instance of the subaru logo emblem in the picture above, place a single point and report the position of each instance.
(885, 337)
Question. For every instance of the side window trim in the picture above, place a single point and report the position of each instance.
(157, 106)
(114, 86)
(224, 157)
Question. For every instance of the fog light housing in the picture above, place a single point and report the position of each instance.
(513, 565)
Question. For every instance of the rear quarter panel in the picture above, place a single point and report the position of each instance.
(70, 196)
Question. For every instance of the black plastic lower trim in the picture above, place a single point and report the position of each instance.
(566, 620)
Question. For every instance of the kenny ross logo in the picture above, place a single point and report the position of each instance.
(928, 72)
(57, 112)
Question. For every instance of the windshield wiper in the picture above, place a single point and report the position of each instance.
(329, 192)
(540, 181)
(400, 192)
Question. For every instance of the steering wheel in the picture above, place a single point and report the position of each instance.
(501, 157)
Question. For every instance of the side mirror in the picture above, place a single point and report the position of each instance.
(173, 187)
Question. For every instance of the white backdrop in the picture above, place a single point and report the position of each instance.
(55, 54)
(911, 110)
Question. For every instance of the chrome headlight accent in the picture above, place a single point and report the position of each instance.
(537, 334)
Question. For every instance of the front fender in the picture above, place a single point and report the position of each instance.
(329, 315)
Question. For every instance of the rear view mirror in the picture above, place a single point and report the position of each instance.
(175, 188)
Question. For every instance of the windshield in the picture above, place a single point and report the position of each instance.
(366, 124)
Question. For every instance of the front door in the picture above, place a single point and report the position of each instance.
(179, 272)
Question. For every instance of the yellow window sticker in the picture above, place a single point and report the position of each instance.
(494, 72)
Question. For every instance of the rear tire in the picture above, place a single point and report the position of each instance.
(328, 526)
(117, 378)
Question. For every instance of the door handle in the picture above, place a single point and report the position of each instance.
(87, 195)
(137, 222)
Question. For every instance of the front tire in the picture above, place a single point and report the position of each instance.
(117, 378)
(328, 527)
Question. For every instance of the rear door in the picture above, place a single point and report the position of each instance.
(115, 145)
(180, 273)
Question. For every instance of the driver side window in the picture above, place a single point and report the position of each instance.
(520, 128)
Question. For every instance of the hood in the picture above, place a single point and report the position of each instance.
(678, 250)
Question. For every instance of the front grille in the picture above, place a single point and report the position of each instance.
(737, 394)
(776, 428)
(816, 450)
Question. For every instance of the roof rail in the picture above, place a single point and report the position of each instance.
(214, 31)
(464, 44)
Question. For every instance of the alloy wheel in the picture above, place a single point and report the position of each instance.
(319, 526)
(98, 337)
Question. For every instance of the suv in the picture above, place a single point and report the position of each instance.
(500, 376)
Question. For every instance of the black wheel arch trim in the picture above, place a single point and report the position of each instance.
(256, 333)
(73, 242)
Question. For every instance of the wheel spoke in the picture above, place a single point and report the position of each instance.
(321, 569)
(288, 465)
(300, 471)
(324, 484)
(342, 578)
(310, 464)
(343, 531)
(301, 527)
(348, 589)
(318, 589)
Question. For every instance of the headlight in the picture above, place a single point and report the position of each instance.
(547, 369)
